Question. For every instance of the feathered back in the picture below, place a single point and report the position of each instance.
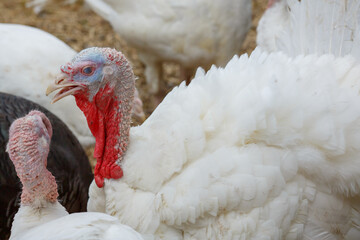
(275, 136)
(270, 99)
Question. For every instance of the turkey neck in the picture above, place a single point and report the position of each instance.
(38, 183)
(109, 117)
(43, 187)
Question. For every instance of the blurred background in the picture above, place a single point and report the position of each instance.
(78, 26)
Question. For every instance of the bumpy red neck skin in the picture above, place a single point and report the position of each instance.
(108, 116)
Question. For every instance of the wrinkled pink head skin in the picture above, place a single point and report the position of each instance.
(28, 148)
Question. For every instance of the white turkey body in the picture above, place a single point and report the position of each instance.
(266, 148)
(191, 33)
(29, 60)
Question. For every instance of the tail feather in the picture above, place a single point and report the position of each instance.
(322, 27)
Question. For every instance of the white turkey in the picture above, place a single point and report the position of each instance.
(260, 148)
(191, 33)
(67, 161)
(266, 148)
(41, 216)
(28, 66)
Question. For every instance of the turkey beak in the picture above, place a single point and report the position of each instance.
(67, 87)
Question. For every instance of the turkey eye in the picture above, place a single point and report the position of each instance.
(87, 70)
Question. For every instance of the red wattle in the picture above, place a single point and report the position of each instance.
(99, 180)
(104, 120)
(106, 171)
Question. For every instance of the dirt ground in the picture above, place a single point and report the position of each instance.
(80, 28)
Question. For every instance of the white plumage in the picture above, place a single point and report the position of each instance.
(191, 33)
(29, 60)
(266, 148)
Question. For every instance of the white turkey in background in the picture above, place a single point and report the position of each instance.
(40, 215)
(29, 60)
(191, 33)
